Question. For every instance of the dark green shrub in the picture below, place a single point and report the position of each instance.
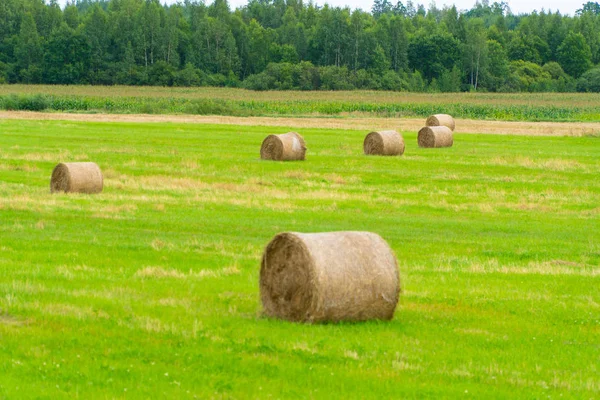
(589, 81)
(14, 102)
(36, 102)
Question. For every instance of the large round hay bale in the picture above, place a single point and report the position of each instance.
(441, 120)
(384, 143)
(435, 136)
(81, 177)
(285, 147)
(329, 277)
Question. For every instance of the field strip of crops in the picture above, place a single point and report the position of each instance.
(353, 96)
(404, 124)
(575, 107)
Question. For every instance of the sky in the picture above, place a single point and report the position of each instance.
(523, 6)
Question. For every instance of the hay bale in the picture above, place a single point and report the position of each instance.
(285, 147)
(435, 136)
(329, 277)
(384, 143)
(81, 177)
(441, 120)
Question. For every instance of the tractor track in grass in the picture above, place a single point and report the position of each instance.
(355, 123)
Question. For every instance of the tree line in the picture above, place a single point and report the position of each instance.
(289, 44)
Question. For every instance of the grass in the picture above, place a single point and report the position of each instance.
(150, 289)
(239, 102)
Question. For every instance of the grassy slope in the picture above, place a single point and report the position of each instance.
(150, 289)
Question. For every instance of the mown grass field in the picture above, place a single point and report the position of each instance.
(240, 102)
(150, 289)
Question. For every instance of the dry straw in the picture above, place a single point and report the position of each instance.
(329, 277)
(441, 120)
(435, 136)
(384, 143)
(286, 147)
(81, 177)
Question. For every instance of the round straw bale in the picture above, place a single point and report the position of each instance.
(81, 177)
(441, 120)
(329, 277)
(384, 143)
(435, 136)
(285, 147)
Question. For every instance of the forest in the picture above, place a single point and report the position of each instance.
(289, 44)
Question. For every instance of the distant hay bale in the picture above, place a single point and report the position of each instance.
(285, 147)
(435, 136)
(384, 143)
(80, 177)
(329, 277)
(441, 120)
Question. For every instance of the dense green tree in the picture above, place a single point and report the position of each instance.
(283, 44)
(358, 38)
(589, 26)
(475, 51)
(292, 32)
(335, 78)
(332, 36)
(592, 8)
(452, 23)
(574, 55)
(398, 52)
(589, 81)
(161, 74)
(11, 13)
(66, 57)
(127, 72)
(497, 72)
(433, 54)
(241, 35)
(380, 62)
(259, 46)
(171, 33)
(96, 32)
(400, 9)
(528, 47)
(124, 29)
(450, 81)
(48, 17)
(188, 76)
(556, 32)
(527, 76)
(71, 16)
(149, 17)
(28, 51)
(381, 7)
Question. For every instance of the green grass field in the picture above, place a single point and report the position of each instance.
(150, 289)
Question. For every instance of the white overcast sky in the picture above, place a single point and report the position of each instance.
(524, 6)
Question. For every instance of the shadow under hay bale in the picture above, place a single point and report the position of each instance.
(441, 120)
(285, 147)
(435, 136)
(80, 177)
(384, 143)
(329, 277)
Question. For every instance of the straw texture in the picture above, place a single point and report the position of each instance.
(285, 147)
(435, 136)
(329, 277)
(441, 120)
(81, 177)
(384, 143)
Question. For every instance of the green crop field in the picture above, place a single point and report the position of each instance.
(150, 289)
(239, 102)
